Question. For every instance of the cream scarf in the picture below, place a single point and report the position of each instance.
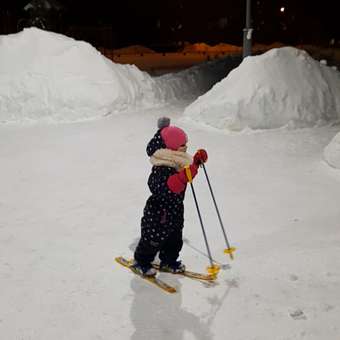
(173, 159)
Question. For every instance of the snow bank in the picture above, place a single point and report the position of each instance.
(332, 152)
(48, 76)
(45, 75)
(192, 82)
(284, 86)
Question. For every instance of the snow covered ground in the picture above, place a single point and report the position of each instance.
(72, 199)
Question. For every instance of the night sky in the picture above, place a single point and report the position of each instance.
(167, 22)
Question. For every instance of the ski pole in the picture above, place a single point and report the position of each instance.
(213, 269)
(229, 250)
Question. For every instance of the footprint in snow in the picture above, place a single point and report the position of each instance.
(297, 314)
(293, 277)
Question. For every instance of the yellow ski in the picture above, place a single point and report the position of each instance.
(192, 275)
(154, 280)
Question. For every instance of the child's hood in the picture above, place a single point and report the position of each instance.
(155, 144)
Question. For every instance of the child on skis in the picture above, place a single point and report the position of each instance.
(163, 218)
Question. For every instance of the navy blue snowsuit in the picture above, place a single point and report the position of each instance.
(163, 218)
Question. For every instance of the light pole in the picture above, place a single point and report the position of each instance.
(247, 32)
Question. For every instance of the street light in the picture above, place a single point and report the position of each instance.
(247, 32)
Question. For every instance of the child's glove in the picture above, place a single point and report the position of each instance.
(200, 157)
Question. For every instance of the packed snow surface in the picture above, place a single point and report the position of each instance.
(332, 152)
(72, 199)
(284, 86)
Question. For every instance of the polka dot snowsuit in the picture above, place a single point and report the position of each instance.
(163, 218)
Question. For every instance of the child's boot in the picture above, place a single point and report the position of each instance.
(174, 267)
(146, 270)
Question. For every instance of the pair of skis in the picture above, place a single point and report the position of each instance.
(160, 283)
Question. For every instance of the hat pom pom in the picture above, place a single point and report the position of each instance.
(163, 122)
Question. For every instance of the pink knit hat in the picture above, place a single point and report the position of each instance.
(173, 137)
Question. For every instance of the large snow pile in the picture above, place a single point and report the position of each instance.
(48, 75)
(284, 86)
(332, 152)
